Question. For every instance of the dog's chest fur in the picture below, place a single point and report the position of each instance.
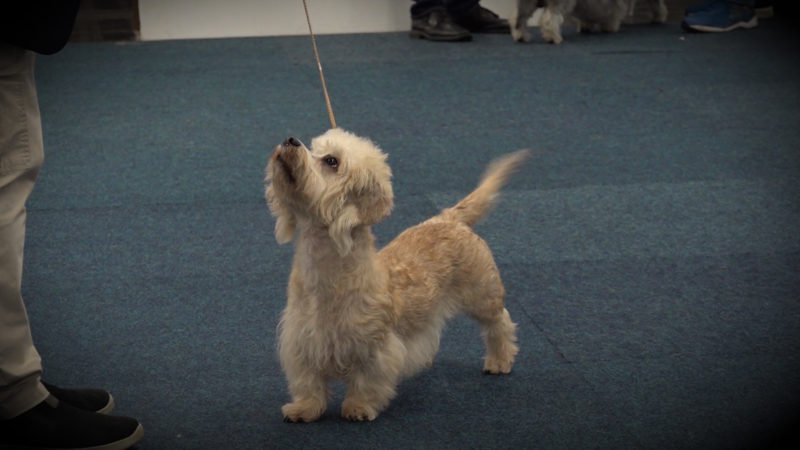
(336, 313)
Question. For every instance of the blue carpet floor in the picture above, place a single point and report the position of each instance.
(650, 247)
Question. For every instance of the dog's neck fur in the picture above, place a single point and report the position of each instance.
(316, 255)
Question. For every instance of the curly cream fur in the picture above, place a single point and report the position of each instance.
(371, 317)
(605, 15)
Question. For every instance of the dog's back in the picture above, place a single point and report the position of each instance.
(441, 267)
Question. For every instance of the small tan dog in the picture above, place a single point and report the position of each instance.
(372, 317)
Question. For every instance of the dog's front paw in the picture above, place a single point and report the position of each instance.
(552, 38)
(301, 411)
(352, 410)
(520, 34)
(496, 366)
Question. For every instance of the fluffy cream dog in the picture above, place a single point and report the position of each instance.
(371, 317)
(606, 15)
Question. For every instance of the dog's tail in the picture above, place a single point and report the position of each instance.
(475, 205)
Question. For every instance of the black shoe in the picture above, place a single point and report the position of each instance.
(95, 400)
(58, 425)
(438, 26)
(480, 20)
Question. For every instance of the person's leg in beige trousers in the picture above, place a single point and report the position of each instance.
(21, 156)
(32, 414)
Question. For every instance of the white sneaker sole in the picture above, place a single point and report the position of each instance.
(752, 23)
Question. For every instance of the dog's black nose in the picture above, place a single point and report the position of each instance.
(291, 141)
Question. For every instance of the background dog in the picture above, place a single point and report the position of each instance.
(605, 15)
(368, 317)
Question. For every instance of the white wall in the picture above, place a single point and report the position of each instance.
(191, 19)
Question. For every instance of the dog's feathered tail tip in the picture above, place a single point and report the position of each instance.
(505, 165)
(475, 205)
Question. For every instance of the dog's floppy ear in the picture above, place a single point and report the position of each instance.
(341, 229)
(284, 228)
(374, 203)
(285, 221)
(375, 197)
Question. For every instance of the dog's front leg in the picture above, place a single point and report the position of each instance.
(309, 398)
(519, 20)
(371, 385)
(550, 25)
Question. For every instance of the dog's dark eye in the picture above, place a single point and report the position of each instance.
(331, 161)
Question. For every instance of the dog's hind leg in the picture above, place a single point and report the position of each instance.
(499, 335)
(483, 301)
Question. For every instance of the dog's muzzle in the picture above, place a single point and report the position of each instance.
(286, 156)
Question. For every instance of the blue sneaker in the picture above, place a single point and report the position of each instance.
(721, 16)
(702, 6)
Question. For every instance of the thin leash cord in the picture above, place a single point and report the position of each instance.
(319, 68)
